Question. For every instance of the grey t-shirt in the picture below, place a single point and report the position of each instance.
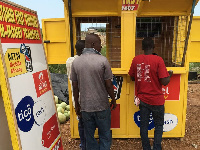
(91, 70)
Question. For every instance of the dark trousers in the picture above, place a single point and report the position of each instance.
(158, 117)
(101, 120)
(82, 134)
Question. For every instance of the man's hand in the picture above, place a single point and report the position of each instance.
(113, 104)
(78, 110)
(170, 73)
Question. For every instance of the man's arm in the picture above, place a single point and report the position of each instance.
(165, 81)
(110, 90)
(76, 97)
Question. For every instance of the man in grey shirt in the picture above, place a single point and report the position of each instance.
(91, 76)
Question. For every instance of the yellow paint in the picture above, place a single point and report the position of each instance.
(128, 25)
(58, 49)
(9, 108)
(7, 14)
(194, 53)
(91, 8)
(15, 62)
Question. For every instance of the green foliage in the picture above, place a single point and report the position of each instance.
(103, 51)
(58, 68)
(195, 67)
(101, 30)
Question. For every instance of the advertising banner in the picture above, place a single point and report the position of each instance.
(28, 78)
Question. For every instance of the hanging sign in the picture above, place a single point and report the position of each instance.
(28, 78)
(130, 5)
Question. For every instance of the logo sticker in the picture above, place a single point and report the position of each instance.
(24, 114)
(170, 122)
(39, 112)
(28, 59)
(42, 84)
(117, 85)
(50, 131)
(136, 118)
(15, 62)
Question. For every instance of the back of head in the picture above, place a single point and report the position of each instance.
(93, 41)
(80, 45)
(147, 44)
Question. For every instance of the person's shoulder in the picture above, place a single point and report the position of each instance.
(138, 57)
(70, 60)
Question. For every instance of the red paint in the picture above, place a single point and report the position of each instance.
(115, 117)
(22, 40)
(172, 90)
(42, 84)
(50, 131)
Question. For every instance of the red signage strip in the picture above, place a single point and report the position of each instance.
(18, 26)
(172, 90)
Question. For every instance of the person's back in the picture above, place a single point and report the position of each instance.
(149, 73)
(149, 68)
(91, 76)
(93, 73)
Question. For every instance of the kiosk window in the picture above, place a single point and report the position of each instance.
(109, 30)
(168, 34)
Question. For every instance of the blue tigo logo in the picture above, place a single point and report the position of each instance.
(137, 120)
(24, 114)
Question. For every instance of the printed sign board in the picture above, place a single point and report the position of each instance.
(130, 5)
(28, 78)
(170, 121)
(171, 92)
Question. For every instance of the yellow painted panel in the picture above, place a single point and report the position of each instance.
(55, 31)
(173, 107)
(166, 6)
(194, 53)
(57, 53)
(94, 7)
(128, 27)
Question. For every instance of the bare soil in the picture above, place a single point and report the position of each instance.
(191, 141)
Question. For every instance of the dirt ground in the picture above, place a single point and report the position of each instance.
(189, 142)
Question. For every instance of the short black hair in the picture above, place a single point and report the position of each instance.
(147, 43)
(80, 45)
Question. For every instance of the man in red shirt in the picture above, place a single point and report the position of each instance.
(149, 73)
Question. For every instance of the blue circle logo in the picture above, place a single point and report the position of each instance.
(137, 120)
(24, 114)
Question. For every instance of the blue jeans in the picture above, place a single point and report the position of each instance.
(81, 134)
(101, 120)
(158, 117)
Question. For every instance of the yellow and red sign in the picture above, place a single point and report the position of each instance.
(42, 84)
(18, 26)
(15, 62)
(172, 90)
(130, 5)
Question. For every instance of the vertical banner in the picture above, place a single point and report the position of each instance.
(28, 78)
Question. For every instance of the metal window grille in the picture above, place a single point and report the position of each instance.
(110, 37)
(169, 35)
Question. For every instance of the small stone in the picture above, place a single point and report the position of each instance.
(195, 146)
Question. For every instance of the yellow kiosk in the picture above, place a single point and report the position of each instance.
(127, 23)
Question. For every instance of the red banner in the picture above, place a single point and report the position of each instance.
(172, 90)
(50, 131)
(115, 117)
(18, 26)
(42, 84)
